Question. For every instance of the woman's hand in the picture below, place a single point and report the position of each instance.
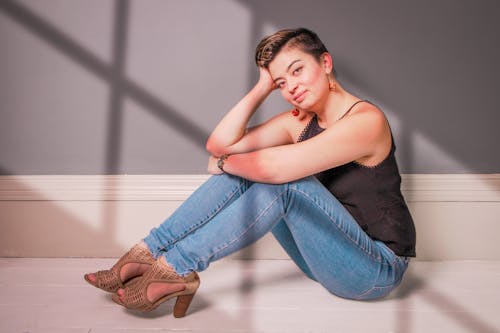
(265, 80)
(213, 169)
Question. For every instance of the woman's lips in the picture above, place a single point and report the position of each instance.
(299, 97)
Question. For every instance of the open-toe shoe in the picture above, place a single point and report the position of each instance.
(110, 281)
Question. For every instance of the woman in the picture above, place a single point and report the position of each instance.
(322, 178)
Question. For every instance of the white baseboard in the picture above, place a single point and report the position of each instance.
(456, 215)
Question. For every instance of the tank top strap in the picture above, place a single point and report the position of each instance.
(352, 107)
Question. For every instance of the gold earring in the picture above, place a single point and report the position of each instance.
(332, 86)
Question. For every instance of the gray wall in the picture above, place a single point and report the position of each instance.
(112, 87)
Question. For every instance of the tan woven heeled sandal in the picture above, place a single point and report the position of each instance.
(110, 281)
(135, 296)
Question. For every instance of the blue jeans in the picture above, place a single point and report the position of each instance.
(227, 213)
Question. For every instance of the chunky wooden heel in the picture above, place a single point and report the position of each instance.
(182, 304)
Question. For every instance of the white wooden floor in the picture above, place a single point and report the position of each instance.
(50, 295)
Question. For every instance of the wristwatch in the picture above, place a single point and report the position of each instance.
(221, 160)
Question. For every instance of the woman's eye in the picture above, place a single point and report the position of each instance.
(297, 70)
(281, 84)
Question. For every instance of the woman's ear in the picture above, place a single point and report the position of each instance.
(327, 62)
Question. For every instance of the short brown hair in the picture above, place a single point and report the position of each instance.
(303, 38)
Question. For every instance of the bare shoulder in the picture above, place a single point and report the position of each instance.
(371, 124)
(370, 113)
(369, 119)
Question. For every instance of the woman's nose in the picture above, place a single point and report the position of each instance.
(292, 86)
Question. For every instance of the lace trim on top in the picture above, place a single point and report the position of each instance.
(304, 135)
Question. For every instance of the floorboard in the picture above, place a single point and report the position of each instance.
(264, 296)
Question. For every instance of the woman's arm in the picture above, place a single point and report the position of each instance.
(362, 135)
(233, 127)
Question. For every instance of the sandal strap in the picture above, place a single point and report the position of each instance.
(137, 254)
(109, 280)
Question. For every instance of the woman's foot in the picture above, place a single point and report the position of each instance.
(132, 264)
(157, 290)
(157, 285)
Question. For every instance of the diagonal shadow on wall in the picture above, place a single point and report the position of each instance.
(120, 88)
(113, 74)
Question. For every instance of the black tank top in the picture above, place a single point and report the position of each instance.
(373, 197)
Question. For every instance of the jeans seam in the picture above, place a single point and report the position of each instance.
(207, 218)
(373, 288)
(257, 219)
(377, 259)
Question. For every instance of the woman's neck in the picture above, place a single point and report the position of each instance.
(337, 104)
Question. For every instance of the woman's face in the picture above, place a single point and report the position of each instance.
(301, 79)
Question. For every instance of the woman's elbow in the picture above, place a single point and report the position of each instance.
(209, 147)
(214, 148)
